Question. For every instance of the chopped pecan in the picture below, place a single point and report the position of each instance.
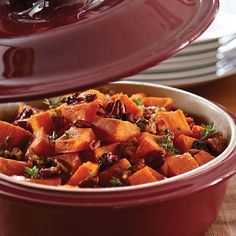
(216, 145)
(50, 172)
(117, 110)
(140, 165)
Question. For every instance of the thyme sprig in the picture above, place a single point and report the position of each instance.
(209, 130)
(166, 143)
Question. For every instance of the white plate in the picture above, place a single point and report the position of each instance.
(199, 48)
(181, 83)
(192, 57)
(185, 65)
(176, 75)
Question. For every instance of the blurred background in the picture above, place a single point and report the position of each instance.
(207, 66)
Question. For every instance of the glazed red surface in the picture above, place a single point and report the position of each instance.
(119, 41)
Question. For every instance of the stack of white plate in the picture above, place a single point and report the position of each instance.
(211, 57)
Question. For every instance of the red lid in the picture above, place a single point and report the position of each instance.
(56, 46)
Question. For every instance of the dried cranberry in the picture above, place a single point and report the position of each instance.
(21, 123)
(107, 160)
(201, 145)
(74, 99)
(90, 97)
(26, 113)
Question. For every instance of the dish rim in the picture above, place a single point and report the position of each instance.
(205, 168)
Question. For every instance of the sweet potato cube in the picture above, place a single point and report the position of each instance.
(113, 130)
(145, 175)
(41, 144)
(100, 97)
(167, 103)
(184, 143)
(107, 148)
(136, 96)
(179, 164)
(203, 157)
(196, 131)
(83, 111)
(74, 140)
(85, 171)
(174, 121)
(115, 171)
(13, 136)
(131, 107)
(12, 167)
(43, 119)
(148, 147)
(72, 159)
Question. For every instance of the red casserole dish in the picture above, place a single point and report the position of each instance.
(183, 205)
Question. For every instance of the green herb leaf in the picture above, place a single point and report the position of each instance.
(138, 102)
(2, 153)
(167, 145)
(52, 104)
(209, 130)
(33, 173)
(115, 181)
(67, 134)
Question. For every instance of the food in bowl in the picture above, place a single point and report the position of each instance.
(93, 140)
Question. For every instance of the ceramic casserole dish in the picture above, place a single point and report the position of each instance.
(182, 205)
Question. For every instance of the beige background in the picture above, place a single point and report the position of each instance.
(223, 92)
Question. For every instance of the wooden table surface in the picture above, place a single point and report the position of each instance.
(223, 92)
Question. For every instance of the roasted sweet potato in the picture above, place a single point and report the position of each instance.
(43, 119)
(114, 172)
(148, 147)
(178, 164)
(72, 159)
(13, 136)
(131, 107)
(196, 131)
(74, 140)
(85, 171)
(100, 97)
(184, 143)
(41, 144)
(113, 130)
(139, 96)
(84, 111)
(174, 121)
(203, 157)
(12, 167)
(145, 175)
(167, 103)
